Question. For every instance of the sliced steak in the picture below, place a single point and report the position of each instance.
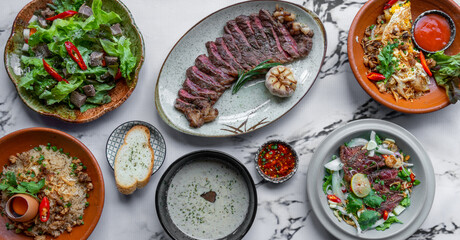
(199, 101)
(231, 44)
(196, 90)
(116, 30)
(47, 13)
(250, 55)
(203, 63)
(286, 40)
(85, 11)
(197, 117)
(273, 40)
(244, 24)
(77, 99)
(393, 200)
(89, 90)
(203, 80)
(304, 44)
(227, 55)
(218, 61)
(261, 38)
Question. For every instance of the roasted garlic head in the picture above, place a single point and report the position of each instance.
(280, 81)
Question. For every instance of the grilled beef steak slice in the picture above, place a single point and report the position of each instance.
(262, 39)
(95, 59)
(200, 102)
(287, 42)
(393, 199)
(274, 40)
(218, 61)
(197, 117)
(244, 24)
(116, 30)
(77, 99)
(226, 55)
(249, 54)
(203, 63)
(89, 90)
(196, 90)
(304, 44)
(203, 80)
(47, 13)
(231, 44)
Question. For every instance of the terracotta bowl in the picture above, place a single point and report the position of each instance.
(119, 94)
(26, 139)
(435, 99)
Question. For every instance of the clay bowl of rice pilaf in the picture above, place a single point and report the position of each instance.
(66, 173)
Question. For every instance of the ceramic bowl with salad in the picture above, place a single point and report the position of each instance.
(74, 59)
(371, 179)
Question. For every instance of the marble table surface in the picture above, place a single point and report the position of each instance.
(335, 99)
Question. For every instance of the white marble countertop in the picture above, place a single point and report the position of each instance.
(335, 99)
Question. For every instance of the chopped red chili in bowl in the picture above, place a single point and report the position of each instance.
(276, 161)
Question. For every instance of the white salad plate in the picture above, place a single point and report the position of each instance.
(422, 195)
(253, 106)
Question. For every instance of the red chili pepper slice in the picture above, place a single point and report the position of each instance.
(44, 209)
(375, 76)
(333, 198)
(62, 15)
(389, 4)
(118, 75)
(75, 54)
(412, 177)
(423, 62)
(385, 215)
(53, 72)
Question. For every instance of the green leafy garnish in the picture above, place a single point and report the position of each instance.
(404, 174)
(64, 5)
(243, 77)
(373, 200)
(447, 74)
(10, 184)
(388, 223)
(327, 181)
(387, 61)
(416, 182)
(378, 140)
(368, 218)
(354, 204)
(405, 202)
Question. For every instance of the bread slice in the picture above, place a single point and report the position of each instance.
(134, 160)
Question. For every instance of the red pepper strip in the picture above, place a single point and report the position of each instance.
(75, 54)
(44, 209)
(389, 4)
(375, 76)
(118, 75)
(412, 177)
(423, 62)
(385, 215)
(53, 72)
(333, 198)
(62, 15)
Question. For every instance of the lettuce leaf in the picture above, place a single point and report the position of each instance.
(447, 74)
(388, 223)
(368, 218)
(121, 48)
(61, 90)
(100, 17)
(63, 5)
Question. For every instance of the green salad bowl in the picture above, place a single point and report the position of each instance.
(119, 94)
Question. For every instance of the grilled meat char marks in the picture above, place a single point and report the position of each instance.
(227, 55)
(203, 63)
(217, 60)
(355, 160)
(286, 40)
(247, 41)
(203, 80)
(249, 54)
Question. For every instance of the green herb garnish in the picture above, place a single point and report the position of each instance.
(243, 77)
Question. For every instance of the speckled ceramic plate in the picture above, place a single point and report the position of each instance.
(119, 94)
(422, 194)
(253, 106)
(118, 135)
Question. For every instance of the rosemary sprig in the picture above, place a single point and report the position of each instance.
(243, 77)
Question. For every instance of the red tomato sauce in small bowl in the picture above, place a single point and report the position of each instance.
(432, 31)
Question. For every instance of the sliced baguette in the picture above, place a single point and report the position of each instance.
(134, 160)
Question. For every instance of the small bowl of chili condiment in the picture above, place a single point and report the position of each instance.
(276, 161)
(433, 31)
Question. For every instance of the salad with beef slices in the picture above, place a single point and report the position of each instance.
(370, 183)
(73, 54)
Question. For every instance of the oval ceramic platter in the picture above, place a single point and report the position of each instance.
(432, 101)
(119, 94)
(253, 106)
